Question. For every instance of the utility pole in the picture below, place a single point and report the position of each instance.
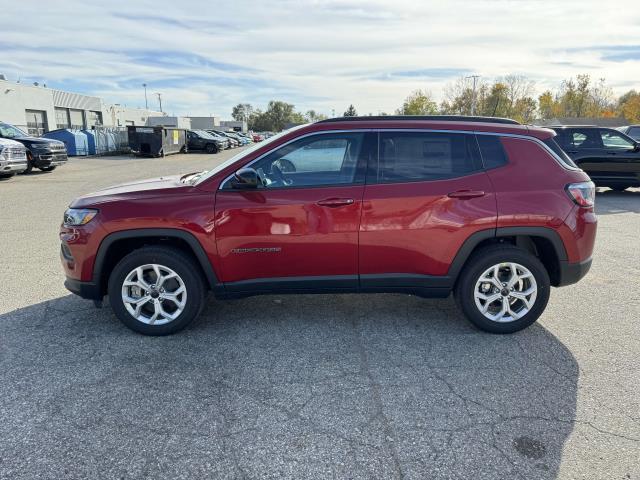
(473, 94)
(160, 100)
(146, 104)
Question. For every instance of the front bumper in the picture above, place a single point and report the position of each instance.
(49, 159)
(572, 272)
(13, 167)
(88, 290)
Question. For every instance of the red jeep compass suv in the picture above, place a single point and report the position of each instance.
(486, 208)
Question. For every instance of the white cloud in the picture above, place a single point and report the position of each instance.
(205, 57)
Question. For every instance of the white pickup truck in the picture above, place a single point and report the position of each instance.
(13, 157)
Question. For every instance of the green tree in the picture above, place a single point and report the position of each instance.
(313, 116)
(629, 105)
(548, 106)
(418, 103)
(242, 111)
(350, 112)
(297, 118)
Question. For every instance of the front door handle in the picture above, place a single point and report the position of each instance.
(465, 194)
(335, 202)
(611, 153)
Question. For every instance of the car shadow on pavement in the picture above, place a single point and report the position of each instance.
(348, 386)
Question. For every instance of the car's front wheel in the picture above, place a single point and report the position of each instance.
(156, 290)
(211, 148)
(503, 289)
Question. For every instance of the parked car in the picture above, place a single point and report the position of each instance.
(241, 140)
(13, 158)
(257, 137)
(488, 209)
(43, 153)
(631, 130)
(234, 142)
(223, 140)
(608, 156)
(202, 140)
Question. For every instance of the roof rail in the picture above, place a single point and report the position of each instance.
(438, 118)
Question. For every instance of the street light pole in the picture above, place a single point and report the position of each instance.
(473, 94)
(146, 104)
(160, 100)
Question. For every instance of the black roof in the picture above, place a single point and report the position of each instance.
(439, 118)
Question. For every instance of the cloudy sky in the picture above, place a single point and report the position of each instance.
(205, 57)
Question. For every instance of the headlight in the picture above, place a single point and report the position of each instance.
(40, 146)
(74, 217)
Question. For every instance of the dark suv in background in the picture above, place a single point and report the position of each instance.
(202, 140)
(43, 153)
(610, 157)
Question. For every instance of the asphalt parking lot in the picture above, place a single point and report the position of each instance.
(327, 386)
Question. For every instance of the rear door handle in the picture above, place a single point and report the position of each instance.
(611, 153)
(335, 202)
(465, 194)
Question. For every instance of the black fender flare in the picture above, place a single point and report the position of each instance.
(191, 240)
(476, 238)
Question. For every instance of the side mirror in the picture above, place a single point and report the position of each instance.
(636, 147)
(246, 178)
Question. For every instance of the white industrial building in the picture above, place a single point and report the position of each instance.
(215, 123)
(38, 109)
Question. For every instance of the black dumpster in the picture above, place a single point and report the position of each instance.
(157, 141)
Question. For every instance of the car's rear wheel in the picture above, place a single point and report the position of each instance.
(503, 289)
(156, 290)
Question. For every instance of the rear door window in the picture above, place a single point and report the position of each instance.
(421, 156)
(585, 138)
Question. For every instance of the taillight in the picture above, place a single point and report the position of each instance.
(583, 193)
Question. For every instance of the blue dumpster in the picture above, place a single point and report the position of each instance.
(91, 141)
(75, 140)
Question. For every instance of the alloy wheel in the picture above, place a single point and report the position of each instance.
(154, 294)
(505, 292)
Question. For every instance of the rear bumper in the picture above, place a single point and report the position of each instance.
(572, 272)
(88, 290)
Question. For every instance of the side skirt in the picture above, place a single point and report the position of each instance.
(420, 285)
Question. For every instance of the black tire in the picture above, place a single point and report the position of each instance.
(29, 163)
(485, 258)
(178, 261)
(211, 148)
(619, 188)
(6, 176)
(47, 169)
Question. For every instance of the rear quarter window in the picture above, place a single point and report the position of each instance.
(555, 148)
(491, 150)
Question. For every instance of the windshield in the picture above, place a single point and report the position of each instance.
(239, 156)
(9, 131)
(204, 134)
